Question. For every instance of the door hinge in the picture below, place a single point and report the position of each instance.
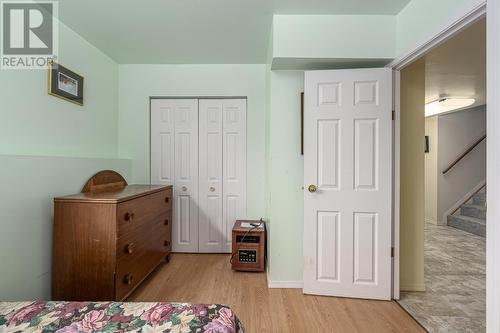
(392, 252)
(393, 114)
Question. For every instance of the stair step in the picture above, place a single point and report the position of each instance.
(479, 199)
(477, 211)
(469, 224)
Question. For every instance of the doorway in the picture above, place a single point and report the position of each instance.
(443, 187)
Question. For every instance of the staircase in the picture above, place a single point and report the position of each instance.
(471, 216)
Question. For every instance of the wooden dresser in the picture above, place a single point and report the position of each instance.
(107, 240)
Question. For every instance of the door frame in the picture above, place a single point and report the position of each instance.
(456, 24)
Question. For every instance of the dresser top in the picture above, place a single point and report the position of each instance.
(127, 193)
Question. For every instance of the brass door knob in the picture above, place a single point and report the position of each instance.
(312, 188)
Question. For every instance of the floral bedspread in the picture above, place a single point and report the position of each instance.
(64, 317)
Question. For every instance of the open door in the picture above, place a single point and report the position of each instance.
(348, 183)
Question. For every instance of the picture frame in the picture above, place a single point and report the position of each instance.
(65, 84)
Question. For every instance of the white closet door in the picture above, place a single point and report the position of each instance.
(234, 164)
(162, 142)
(185, 226)
(211, 227)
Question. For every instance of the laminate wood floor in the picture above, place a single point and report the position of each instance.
(208, 278)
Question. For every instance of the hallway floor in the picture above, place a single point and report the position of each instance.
(455, 277)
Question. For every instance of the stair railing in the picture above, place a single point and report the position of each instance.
(465, 153)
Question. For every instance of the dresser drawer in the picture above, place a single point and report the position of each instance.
(163, 233)
(130, 273)
(134, 214)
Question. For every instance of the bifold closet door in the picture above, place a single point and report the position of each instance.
(222, 171)
(174, 160)
(234, 166)
(211, 224)
(199, 147)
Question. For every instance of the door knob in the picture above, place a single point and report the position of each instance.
(212, 189)
(312, 188)
(184, 188)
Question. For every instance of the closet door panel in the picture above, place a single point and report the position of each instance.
(234, 165)
(211, 236)
(185, 226)
(162, 142)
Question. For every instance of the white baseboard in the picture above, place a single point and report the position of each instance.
(412, 287)
(285, 284)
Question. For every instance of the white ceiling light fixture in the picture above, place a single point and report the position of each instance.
(447, 104)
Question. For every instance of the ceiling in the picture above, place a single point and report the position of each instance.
(457, 68)
(196, 31)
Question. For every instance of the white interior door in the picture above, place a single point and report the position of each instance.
(199, 147)
(174, 161)
(234, 113)
(162, 142)
(185, 226)
(347, 218)
(211, 225)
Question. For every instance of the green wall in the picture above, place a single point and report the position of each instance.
(34, 123)
(28, 185)
(285, 173)
(50, 147)
(421, 19)
(348, 36)
(138, 82)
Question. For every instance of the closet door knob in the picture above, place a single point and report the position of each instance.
(212, 189)
(184, 188)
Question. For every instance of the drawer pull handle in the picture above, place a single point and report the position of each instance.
(166, 243)
(129, 248)
(166, 222)
(128, 279)
(167, 200)
(129, 217)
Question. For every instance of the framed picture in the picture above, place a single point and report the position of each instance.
(65, 84)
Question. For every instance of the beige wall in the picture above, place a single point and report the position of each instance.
(412, 178)
(431, 170)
